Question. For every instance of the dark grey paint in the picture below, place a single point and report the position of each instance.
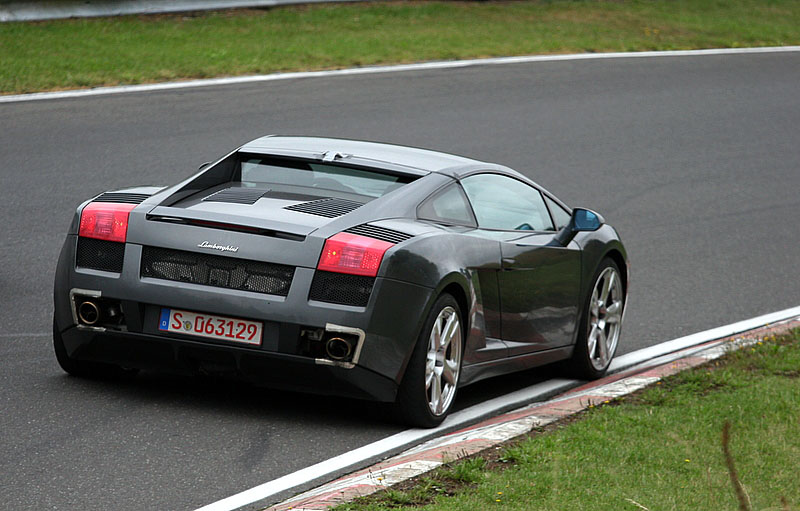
(539, 282)
(537, 316)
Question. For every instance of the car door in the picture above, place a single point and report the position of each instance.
(539, 281)
(449, 207)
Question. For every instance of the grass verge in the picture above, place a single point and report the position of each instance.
(127, 50)
(721, 436)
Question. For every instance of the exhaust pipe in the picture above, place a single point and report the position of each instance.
(338, 348)
(88, 313)
(342, 346)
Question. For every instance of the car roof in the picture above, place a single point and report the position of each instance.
(375, 154)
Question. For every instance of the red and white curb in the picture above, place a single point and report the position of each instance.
(496, 430)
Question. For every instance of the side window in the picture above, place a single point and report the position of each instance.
(560, 215)
(448, 206)
(501, 202)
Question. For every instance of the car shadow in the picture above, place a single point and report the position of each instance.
(235, 398)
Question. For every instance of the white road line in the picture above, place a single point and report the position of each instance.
(103, 91)
(538, 392)
(631, 359)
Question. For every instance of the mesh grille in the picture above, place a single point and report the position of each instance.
(125, 198)
(217, 271)
(330, 208)
(100, 254)
(379, 233)
(236, 196)
(341, 288)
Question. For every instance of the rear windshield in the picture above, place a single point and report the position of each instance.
(290, 174)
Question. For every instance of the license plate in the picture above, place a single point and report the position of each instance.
(211, 326)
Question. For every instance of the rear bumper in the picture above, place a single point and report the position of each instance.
(390, 323)
(270, 369)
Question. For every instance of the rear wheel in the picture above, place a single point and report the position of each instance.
(600, 324)
(431, 380)
(85, 369)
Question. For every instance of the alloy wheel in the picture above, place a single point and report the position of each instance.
(443, 362)
(605, 318)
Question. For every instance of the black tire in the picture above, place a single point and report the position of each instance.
(587, 363)
(414, 404)
(85, 369)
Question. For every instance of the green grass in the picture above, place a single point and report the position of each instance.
(91, 52)
(657, 450)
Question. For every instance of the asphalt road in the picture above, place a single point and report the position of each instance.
(696, 161)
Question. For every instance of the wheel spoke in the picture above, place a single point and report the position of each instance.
(606, 287)
(612, 284)
(449, 330)
(602, 348)
(449, 372)
(436, 393)
(592, 341)
(429, 377)
(436, 336)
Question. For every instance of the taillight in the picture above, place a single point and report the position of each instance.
(353, 254)
(105, 221)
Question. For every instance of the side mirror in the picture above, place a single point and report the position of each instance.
(206, 164)
(583, 220)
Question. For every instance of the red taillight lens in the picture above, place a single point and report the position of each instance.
(353, 254)
(105, 221)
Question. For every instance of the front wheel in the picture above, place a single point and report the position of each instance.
(600, 324)
(431, 380)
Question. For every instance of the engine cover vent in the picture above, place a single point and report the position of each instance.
(214, 270)
(379, 233)
(121, 197)
(236, 195)
(329, 208)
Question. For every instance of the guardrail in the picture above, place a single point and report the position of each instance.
(37, 11)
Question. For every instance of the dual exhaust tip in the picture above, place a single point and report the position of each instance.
(338, 348)
(88, 312)
(98, 311)
(335, 345)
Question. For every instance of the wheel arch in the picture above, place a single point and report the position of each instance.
(456, 285)
(615, 255)
(456, 290)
